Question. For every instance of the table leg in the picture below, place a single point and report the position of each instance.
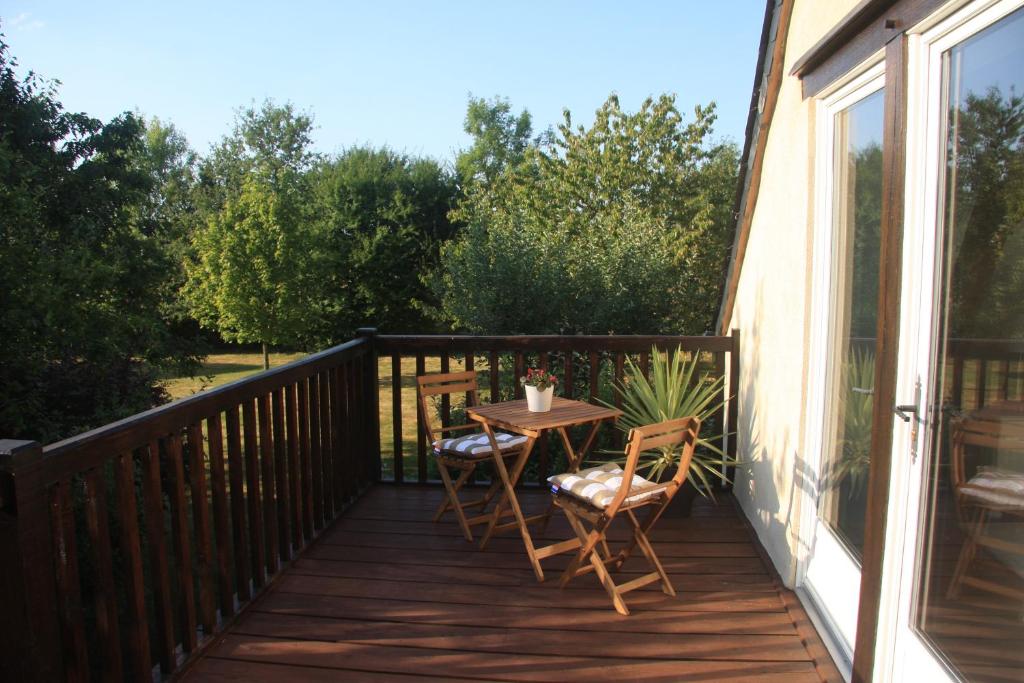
(509, 496)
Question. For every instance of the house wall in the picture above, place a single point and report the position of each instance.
(772, 309)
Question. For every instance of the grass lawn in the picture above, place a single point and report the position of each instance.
(221, 368)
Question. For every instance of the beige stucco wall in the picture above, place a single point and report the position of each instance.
(772, 309)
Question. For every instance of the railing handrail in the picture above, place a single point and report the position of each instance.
(140, 428)
(389, 343)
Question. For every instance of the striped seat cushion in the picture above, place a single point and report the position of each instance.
(598, 485)
(996, 487)
(477, 443)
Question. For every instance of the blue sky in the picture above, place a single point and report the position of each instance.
(387, 72)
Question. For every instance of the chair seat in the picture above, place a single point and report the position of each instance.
(598, 485)
(477, 444)
(995, 487)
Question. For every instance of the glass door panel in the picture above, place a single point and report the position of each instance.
(857, 197)
(970, 583)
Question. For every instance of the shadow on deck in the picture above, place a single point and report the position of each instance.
(385, 594)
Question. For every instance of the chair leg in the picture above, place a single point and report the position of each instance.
(967, 553)
(588, 552)
(447, 502)
(453, 496)
(645, 547)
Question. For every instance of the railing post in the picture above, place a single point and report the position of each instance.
(371, 385)
(734, 402)
(29, 630)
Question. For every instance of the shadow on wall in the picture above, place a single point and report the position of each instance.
(766, 479)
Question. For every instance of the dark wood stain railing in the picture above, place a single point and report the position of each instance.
(595, 355)
(130, 547)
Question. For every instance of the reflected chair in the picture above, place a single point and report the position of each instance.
(992, 493)
(462, 453)
(599, 494)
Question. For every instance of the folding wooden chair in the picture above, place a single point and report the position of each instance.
(992, 496)
(599, 494)
(464, 452)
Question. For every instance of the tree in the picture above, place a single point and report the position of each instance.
(384, 216)
(616, 228)
(83, 340)
(500, 140)
(253, 273)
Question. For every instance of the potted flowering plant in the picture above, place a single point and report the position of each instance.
(540, 387)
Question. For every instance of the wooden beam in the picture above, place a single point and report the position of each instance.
(894, 157)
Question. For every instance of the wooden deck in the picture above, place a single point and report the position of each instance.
(385, 595)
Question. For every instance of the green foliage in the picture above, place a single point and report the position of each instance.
(383, 216)
(500, 141)
(856, 408)
(255, 267)
(83, 337)
(987, 216)
(676, 389)
(254, 273)
(619, 228)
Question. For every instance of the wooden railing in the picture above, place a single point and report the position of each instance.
(586, 366)
(133, 544)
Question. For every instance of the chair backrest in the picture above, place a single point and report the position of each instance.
(441, 384)
(669, 434)
(993, 432)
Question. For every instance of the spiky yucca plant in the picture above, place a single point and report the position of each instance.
(675, 390)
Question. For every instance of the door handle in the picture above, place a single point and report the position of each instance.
(903, 412)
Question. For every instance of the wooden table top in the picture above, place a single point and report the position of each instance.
(564, 413)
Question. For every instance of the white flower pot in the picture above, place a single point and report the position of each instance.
(539, 401)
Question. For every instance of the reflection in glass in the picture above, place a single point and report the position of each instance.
(971, 584)
(857, 211)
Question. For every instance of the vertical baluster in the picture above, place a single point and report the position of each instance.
(337, 438)
(344, 473)
(257, 545)
(294, 464)
(182, 543)
(236, 474)
(158, 561)
(495, 372)
(326, 444)
(281, 484)
(137, 636)
(958, 382)
(1004, 385)
(595, 370)
(645, 364)
(543, 464)
(396, 415)
(105, 595)
(519, 366)
(269, 504)
(315, 456)
(201, 521)
(221, 519)
(304, 448)
(421, 440)
(446, 402)
(359, 433)
(567, 380)
(616, 394)
(982, 383)
(69, 595)
(470, 366)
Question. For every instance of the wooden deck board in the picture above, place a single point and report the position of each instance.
(386, 595)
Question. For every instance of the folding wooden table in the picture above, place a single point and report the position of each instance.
(514, 416)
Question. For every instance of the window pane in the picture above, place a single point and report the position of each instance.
(971, 584)
(857, 211)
